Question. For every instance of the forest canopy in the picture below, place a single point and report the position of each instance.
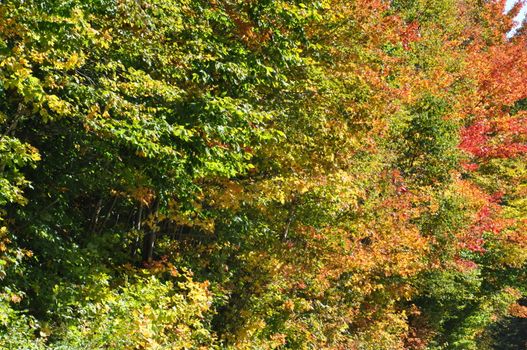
(286, 174)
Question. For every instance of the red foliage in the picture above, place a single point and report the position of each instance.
(500, 71)
(410, 34)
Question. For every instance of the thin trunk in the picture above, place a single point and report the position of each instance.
(149, 239)
(95, 219)
(148, 246)
(103, 224)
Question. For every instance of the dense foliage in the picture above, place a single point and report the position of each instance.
(287, 174)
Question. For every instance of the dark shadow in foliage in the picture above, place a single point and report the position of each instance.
(511, 333)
